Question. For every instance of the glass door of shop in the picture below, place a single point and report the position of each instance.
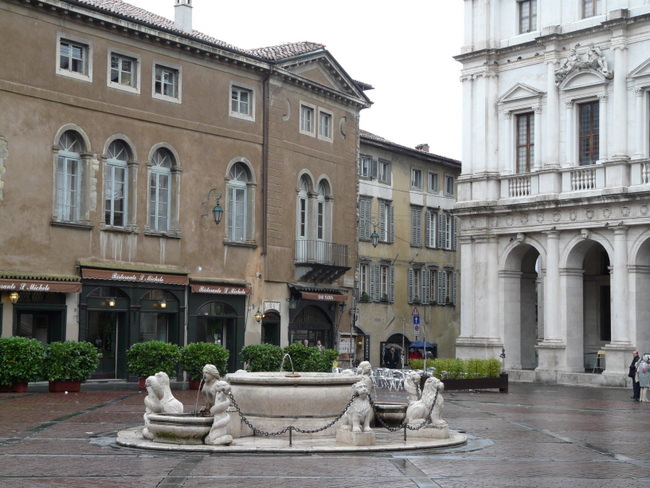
(103, 327)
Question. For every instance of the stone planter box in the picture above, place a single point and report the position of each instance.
(61, 386)
(500, 383)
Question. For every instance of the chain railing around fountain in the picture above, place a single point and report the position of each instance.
(291, 428)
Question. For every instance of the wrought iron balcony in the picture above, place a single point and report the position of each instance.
(324, 261)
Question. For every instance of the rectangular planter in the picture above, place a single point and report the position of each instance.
(64, 385)
(500, 383)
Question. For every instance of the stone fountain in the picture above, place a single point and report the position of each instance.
(325, 412)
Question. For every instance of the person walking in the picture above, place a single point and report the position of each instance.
(391, 358)
(636, 389)
(643, 373)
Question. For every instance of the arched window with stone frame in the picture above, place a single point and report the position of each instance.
(240, 203)
(69, 178)
(116, 184)
(161, 191)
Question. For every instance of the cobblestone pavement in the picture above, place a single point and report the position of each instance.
(534, 436)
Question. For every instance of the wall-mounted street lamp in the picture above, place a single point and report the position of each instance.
(217, 209)
(109, 302)
(374, 237)
(259, 315)
(14, 297)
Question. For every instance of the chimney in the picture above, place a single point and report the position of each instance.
(183, 15)
(422, 147)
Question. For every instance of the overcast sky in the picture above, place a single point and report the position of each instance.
(403, 49)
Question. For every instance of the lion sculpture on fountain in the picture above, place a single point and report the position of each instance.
(418, 411)
(357, 418)
(159, 399)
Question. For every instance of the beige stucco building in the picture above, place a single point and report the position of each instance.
(123, 135)
(408, 264)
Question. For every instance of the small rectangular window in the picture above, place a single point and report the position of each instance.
(324, 125)
(307, 120)
(384, 171)
(123, 70)
(241, 102)
(367, 166)
(416, 179)
(433, 182)
(449, 185)
(590, 8)
(527, 16)
(166, 82)
(74, 59)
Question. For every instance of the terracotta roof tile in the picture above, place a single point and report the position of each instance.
(272, 53)
(287, 50)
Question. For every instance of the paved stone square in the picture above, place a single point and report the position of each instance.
(534, 436)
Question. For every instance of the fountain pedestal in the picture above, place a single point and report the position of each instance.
(355, 438)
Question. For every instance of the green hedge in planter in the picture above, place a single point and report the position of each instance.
(70, 360)
(263, 357)
(21, 360)
(196, 355)
(310, 359)
(148, 358)
(461, 368)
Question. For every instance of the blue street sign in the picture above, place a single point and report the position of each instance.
(416, 319)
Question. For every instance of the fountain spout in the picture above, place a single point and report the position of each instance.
(293, 373)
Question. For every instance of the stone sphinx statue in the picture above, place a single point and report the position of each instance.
(159, 399)
(215, 392)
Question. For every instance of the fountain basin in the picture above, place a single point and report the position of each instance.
(183, 428)
(274, 400)
(393, 414)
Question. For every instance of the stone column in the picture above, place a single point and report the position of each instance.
(571, 320)
(603, 138)
(639, 144)
(550, 151)
(537, 140)
(552, 345)
(619, 148)
(467, 318)
(571, 149)
(510, 316)
(619, 289)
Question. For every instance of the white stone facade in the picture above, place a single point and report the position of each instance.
(554, 196)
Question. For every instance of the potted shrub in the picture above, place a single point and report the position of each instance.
(21, 361)
(68, 363)
(466, 374)
(365, 298)
(148, 358)
(196, 355)
(263, 357)
(310, 359)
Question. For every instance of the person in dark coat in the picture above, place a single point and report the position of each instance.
(391, 358)
(636, 387)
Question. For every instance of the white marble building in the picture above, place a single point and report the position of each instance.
(554, 196)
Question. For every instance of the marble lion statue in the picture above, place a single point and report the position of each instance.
(357, 417)
(418, 411)
(412, 386)
(159, 399)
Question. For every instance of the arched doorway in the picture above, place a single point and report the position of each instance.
(216, 322)
(271, 328)
(522, 292)
(313, 323)
(586, 288)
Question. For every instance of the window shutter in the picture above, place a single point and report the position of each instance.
(373, 169)
(410, 285)
(416, 226)
(434, 286)
(454, 227)
(391, 284)
(452, 292)
(364, 218)
(375, 283)
(425, 277)
(442, 287)
(391, 223)
(442, 230)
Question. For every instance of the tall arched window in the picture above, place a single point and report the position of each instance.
(238, 211)
(69, 178)
(302, 210)
(323, 212)
(160, 190)
(116, 184)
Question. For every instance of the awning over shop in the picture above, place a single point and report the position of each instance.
(323, 297)
(39, 285)
(150, 278)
